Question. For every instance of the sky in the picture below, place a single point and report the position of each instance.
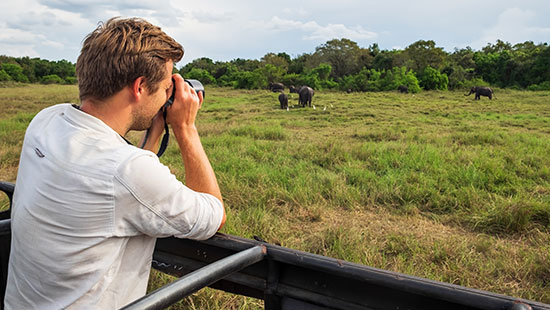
(225, 30)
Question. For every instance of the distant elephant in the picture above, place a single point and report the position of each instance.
(481, 91)
(276, 87)
(293, 89)
(403, 89)
(283, 99)
(305, 94)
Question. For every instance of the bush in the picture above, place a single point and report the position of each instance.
(15, 72)
(541, 86)
(71, 80)
(4, 76)
(432, 79)
(250, 80)
(202, 75)
(51, 79)
(474, 82)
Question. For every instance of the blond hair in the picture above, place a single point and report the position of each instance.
(119, 51)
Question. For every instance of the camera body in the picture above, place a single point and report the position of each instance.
(195, 84)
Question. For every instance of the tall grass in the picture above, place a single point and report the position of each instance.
(434, 184)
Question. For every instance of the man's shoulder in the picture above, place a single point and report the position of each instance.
(51, 110)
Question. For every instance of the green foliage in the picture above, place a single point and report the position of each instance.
(4, 76)
(15, 72)
(342, 54)
(342, 64)
(385, 80)
(432, 79)
(202, 75)
(422, 54)
(542, 86)
(405, 77)
(71, 80)
(51, 79)
(272, 73)
(250, 80)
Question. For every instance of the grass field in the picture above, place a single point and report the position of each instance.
(436, 185)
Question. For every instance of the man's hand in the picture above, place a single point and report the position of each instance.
(183, 112)
(199, 175)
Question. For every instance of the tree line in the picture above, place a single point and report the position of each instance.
(342, 64)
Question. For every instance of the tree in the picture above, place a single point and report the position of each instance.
(202, 75)
(321, 76)
(203, 63)
(433, 79)
(279, 60)
(272, 73)
(342, 54)
(422, 54)
(384, 60)
(15, 72)
(402, 76)
(298, 64)
(4, 76)
(63, 69)
(541, 66)
(246, 64)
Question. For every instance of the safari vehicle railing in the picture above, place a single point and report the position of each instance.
(289, 279)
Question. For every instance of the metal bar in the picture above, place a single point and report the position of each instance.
(5, 227)
(7, 188)
(237, 283)
(338, 284)
(271, 300)
(187, 285)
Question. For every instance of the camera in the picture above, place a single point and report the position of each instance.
(195, 84)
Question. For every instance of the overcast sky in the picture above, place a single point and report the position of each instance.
(224, 30)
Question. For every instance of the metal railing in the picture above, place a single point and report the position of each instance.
(289, 279)
(196, 280)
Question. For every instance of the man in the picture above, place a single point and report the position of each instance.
(88, 206)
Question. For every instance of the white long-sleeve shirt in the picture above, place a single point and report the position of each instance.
(87, 210)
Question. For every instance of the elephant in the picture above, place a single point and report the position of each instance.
(283, 99)
(305, 94)
(403, 89)
(293, 89)
(276, 87)
(481, 91)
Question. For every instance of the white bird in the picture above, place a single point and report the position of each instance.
(325, 108)
(331, 105)
(287, 109)
(314, 107)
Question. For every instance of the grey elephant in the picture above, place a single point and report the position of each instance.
(403, 89)
(481, 91)
(276, 87)
(293, 89)
(305, 95)
(283, 100)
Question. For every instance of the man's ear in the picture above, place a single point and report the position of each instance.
(138, 88)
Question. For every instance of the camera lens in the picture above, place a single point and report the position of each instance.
(197, 86)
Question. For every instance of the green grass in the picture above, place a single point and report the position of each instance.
(435, 184)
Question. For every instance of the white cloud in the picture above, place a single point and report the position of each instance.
(514, 26)
(224, 30)
(311, 30)
(296, 11)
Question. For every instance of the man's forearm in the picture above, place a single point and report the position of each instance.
(199, 175)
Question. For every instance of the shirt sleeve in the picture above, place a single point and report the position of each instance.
(150, 200)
